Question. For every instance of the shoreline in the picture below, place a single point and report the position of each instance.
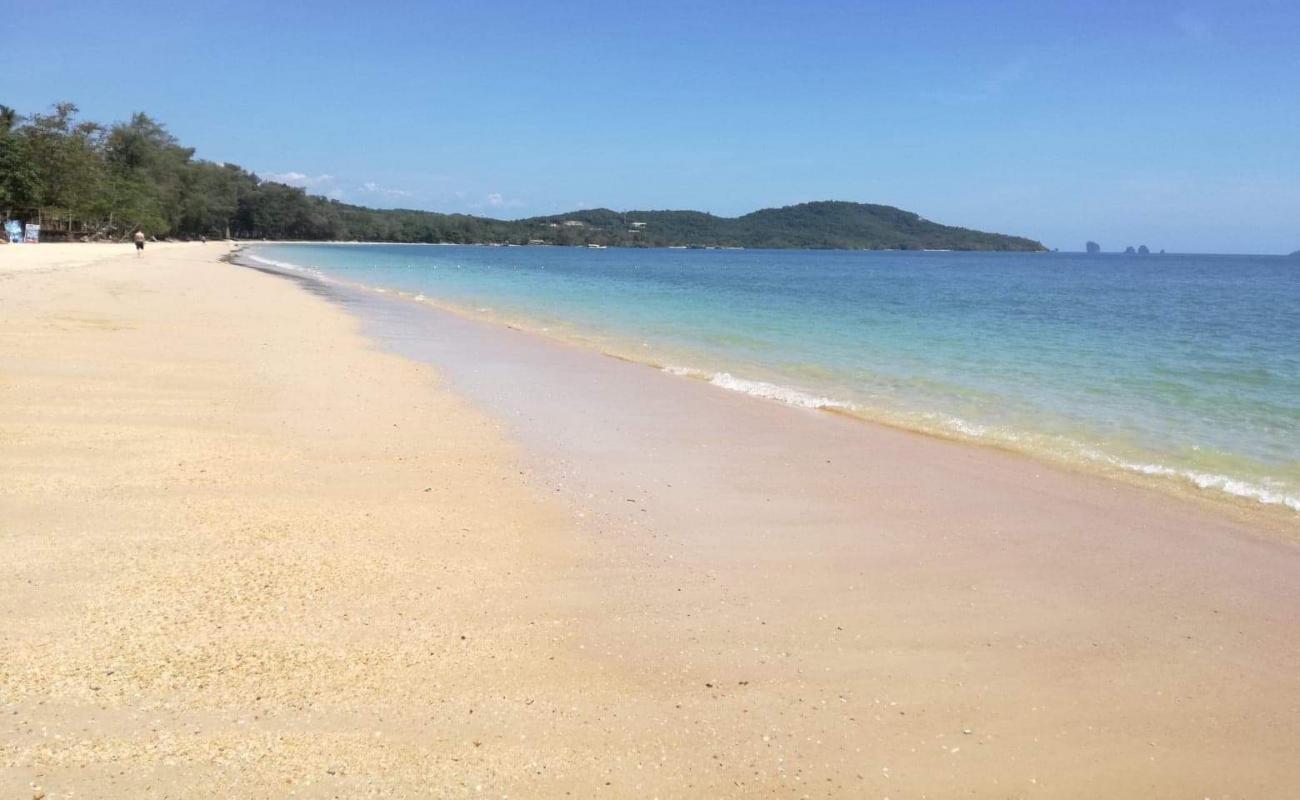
(1224, 494)
(259, 545)
(789, 512)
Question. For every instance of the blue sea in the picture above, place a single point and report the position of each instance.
(1181, 368)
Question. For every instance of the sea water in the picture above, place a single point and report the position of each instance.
(1185, 368)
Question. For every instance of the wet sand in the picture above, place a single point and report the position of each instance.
(248, 553)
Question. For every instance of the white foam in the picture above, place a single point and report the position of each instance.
(687, 372)
(959, 425)
(286, 265)
(772, 391)
(270, 262)
(1208, 480)
(1259, 492)
(767, 391)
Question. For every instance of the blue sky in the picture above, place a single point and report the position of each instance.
(1171, 124)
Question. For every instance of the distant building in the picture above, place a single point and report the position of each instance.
(574, 223)
(638, 224)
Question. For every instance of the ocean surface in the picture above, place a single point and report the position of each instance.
(1183, 368)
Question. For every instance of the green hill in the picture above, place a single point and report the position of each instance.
(825, 224)
(85, 180)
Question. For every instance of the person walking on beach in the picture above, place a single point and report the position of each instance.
(139, 242)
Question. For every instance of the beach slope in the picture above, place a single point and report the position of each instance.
(244, 552)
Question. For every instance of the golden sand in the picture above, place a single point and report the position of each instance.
(245, 554)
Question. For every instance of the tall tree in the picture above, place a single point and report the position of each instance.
(71, 184)
(19, 179)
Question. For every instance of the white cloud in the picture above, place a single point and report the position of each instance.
(370, 187)
(298, 179)
(331, 186)
(495, 200)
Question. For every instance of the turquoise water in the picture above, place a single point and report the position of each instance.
(1181, 367)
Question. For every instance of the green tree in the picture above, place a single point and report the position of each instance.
(81, 177)
(148, 168)
(19, 180)
(71, 185)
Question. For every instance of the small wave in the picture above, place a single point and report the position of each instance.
(772, 391)
(1209, 480)
(767, 391)
(271, 262)
(1263, 492)
(686, 372)
(286, 265)
(959, 425)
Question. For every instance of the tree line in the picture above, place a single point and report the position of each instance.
(82, 179)
(87, 180)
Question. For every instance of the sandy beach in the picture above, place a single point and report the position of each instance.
(250, 547)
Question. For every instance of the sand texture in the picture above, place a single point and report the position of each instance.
(245, 553)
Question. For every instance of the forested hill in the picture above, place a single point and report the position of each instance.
(86, 180)
(825, 224)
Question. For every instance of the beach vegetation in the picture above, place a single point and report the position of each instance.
(86, 180)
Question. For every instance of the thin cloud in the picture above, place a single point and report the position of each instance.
(497, 201)
(993, 85)
(1192, 26)
(1006, 76)
(370, 187)
(300, 179)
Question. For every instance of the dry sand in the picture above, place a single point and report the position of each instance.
(243, 553)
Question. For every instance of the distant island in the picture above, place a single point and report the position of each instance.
(88, 181)
(1092, 248)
